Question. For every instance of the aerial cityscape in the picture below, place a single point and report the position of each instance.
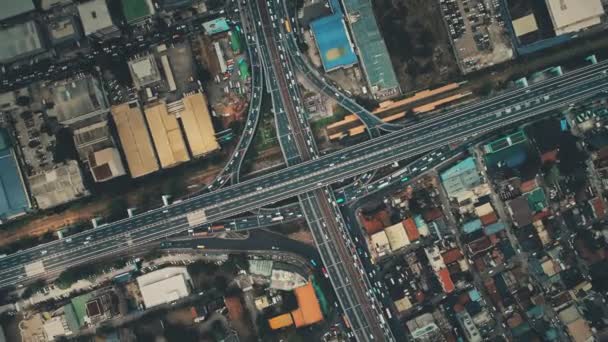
(304, 170)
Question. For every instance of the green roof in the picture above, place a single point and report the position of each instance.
(235, 41)
(135, 9)
(244, 67)
(536, 200)
(76, 311)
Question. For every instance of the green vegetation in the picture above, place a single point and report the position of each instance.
(72, 275)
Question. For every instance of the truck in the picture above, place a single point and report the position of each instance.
(217, 227)
(277, 218)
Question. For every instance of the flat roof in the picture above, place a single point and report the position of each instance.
(525, 25)
(11, 8)
(13, 199)
(135, 139)
(77, 99)
(216, 26)
(164, 286)
(375, 60)
(197, 124)
(19, 41)
(95, 16)
(574, 15)
(136, 9)
(333, 42)
(60, 185)
(144, 71)
(397, 237)
(167, 135)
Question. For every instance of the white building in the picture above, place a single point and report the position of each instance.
(570, 16)
(164, 286)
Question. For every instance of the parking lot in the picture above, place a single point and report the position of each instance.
(477, 32)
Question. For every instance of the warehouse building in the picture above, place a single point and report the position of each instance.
(193, 110)
(569, 16)
(375, 60)
(333, 42)
(13, 196)
(76, 100)
(144, 71)
(137, 10)
(13, 8)
(135, 139)
(20, 41)
(164, 286)
(96, 19)
(167, 135)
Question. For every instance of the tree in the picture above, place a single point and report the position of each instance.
(24, 101)
(486, 88)
(33, 288)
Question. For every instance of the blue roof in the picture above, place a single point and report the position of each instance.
(13, 199)
(216, 26)
(335, 6)
(474, 295)
(495, 228)
(333, 42)
(472, 226)
(466, 165)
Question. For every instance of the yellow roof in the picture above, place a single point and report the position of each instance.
(134, 139)
(525, 25)
(198, 126)
(280, 321)
(167, 136)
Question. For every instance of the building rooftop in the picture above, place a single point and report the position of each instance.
(375, 59)
(525, 25)
(106, 164)
(60, 185)
(216, 26)
(333, 42)
(20, 41)
(197, 124)
(570, 16)
(380, 243)
(13, 197)
(164, 286)
(144, 71)
(91, 138)
(135, 140)
(397, 237)
(77, 99)
(167, 135)
(135, 10)
(309, 310)
(461, 177)
(261, 267)
(520, 211)
(11, 8)
(62, 29)
(95, 16)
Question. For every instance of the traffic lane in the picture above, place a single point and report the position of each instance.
(257, 240)
(581, 88)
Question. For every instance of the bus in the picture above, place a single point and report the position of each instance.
(287, 25)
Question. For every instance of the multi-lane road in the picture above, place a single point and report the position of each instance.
(324, 219)
(484, 116)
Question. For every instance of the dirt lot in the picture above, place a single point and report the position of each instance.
(417, 41)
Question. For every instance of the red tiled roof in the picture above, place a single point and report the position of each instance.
(432, 214)
(451, 256)
(488, 219)
(446, 280)
(410, 229)
(549, 156)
